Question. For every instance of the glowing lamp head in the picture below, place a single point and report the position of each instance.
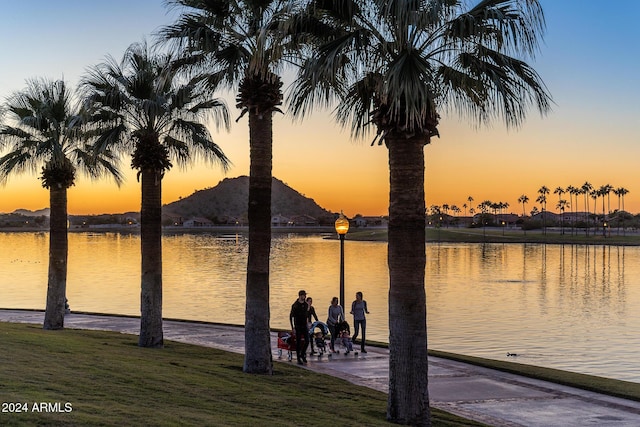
(342, 224)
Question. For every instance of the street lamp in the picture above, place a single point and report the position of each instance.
(342, 226)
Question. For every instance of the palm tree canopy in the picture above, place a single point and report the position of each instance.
(47, 130)
(143, 106)
(239, 45)
(241, 37)
(399, 64)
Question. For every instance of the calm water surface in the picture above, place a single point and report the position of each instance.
(569, 307)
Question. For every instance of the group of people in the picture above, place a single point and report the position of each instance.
(303, 312)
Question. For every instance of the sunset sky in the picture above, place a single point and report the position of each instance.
(589, 60)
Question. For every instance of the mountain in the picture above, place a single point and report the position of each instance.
(26, 212)
(229, 199)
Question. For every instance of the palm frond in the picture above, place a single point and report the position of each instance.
(431, 55)
(16, 162)
(145, 99)
(47, 128)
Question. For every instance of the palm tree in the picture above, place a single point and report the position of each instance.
(542, 199)
(562, 205)
(484, 208)
(571, 190)
(586, 190)
(43, 128)
(143, 108)
(396, 65)
(594, 195)
(621, 192)
(240, 44)
(608, 189)
(445, 209)
(524, 199)
(603, 191)
(456, 210)
(502, 206)
(559, 191)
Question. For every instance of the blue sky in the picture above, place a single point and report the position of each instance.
(588, 59)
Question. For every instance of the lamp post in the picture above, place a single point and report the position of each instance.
(342, 226)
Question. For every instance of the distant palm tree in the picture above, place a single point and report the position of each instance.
(562, 205)
(524, 199)
(586, 190)
(456, 210)
(603, 191)
(542, 199)
(445, 209)
(43, 128)
(621, 192)
(504, 206)
(241, 44)
(397, 65)
(142, 107)
(559, 191)
(608, 189)
(572, 191)
(594, 195)
(484, 208)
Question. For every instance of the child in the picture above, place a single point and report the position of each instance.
(320, 344)
(346, 341)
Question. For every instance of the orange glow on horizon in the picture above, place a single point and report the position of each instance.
(305, 157)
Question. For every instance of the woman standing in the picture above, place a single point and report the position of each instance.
(311, 314)
(358, 309)
(336, 315)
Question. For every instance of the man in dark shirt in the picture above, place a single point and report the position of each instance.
(298, 319)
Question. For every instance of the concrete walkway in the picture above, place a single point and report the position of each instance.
(493, 397)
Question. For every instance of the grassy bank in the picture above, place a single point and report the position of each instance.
(493, 235)
(103, 378)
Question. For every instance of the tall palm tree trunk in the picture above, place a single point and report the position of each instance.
(151, 334)
(58, 253)
(257, 339)
(408, 400)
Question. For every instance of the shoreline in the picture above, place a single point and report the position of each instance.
(498, 235)
(379, 234)
(218, 229)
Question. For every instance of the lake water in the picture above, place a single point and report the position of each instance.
(570, 307)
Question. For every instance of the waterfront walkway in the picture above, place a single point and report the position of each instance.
(493, 397)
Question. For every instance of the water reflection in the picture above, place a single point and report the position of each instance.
(571, 307)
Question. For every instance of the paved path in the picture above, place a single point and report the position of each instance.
(493, 397)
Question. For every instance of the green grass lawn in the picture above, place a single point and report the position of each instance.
(103, 378)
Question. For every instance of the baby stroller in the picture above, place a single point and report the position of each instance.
(286, 341)
(343, 332)
(318, 333)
